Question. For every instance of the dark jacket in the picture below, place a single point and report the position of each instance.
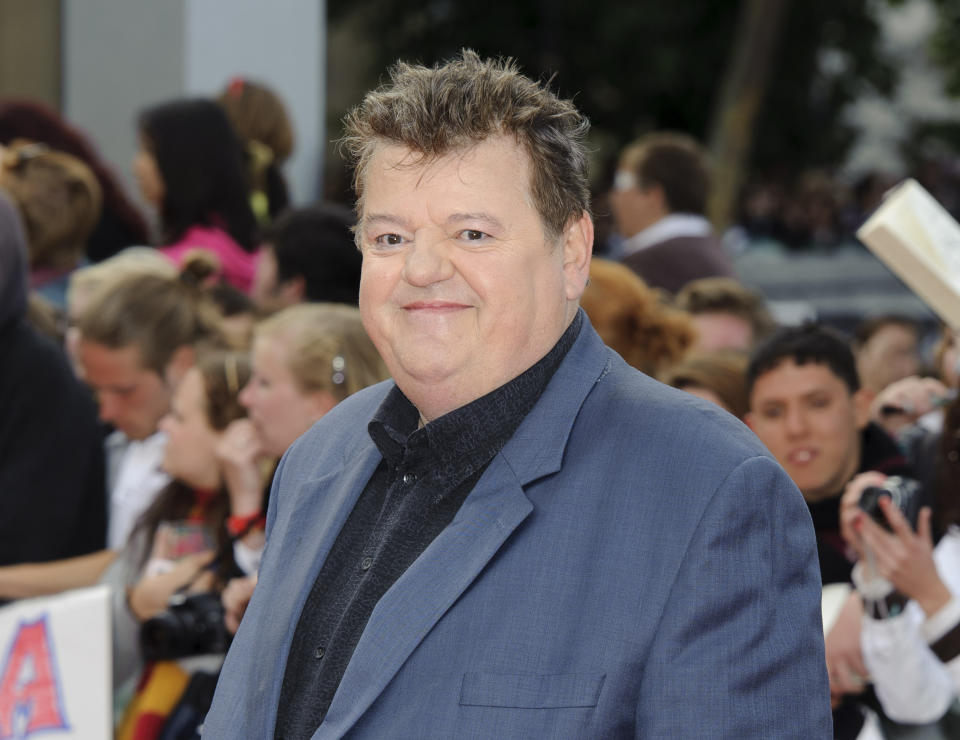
(52, 492)
(878, 452)
(673, 263)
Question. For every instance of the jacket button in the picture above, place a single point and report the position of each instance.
(366, 563)
(319, 653)
(409, 479)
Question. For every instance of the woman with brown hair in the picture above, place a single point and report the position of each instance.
(59, 199)
(632, 319)
(719, 377)
(260, 119)
(120, 225)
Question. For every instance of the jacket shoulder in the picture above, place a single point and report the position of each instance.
(337, 434)
(632, 410)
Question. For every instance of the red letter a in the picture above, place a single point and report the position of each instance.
(29, 695)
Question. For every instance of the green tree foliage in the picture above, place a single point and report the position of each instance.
(637, 66)
(945, 45)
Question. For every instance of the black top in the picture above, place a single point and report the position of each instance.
(425, 475)
(53, 501)
(877, 452)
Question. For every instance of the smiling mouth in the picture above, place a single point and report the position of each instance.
(434, 306)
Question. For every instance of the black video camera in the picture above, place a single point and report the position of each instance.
(903, 492)
(193, 625)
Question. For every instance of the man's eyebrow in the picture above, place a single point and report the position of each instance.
(373, 219)
(476, 216)
(771, 402)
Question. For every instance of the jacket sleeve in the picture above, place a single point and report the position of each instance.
(738, 651)
(913, 682)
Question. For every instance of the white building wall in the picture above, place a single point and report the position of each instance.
(121, 56)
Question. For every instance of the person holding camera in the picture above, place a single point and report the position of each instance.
(195, 536)
(910, 632)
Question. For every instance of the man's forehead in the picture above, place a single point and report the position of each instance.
(789, 378)
(106, 360)
(387, 178)
(393, 157)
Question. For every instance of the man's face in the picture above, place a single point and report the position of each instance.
(634, 208)
(268, 292)
(461, 290)
(717, 330)
(132, 397)
(809, 420)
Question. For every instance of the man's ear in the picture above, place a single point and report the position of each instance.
(749, 421)
(182, 360)
(861, 406)
(577, 250)
(657, 197)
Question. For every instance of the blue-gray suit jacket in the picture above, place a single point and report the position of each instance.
(633, 563)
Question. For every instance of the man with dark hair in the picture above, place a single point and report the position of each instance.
(520, 535)
(659, 200)
(808, 408)
(309, 254)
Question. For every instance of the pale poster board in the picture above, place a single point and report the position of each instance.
(55, 667)
(920, 242)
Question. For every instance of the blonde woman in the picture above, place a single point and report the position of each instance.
(306, 359)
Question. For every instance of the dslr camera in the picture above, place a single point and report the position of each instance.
(903, 492)
(193, 625)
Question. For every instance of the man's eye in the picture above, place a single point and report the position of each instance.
(473, 235)
(388, 240)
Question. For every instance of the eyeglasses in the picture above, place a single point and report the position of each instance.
(624, 180)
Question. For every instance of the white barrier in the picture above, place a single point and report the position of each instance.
(55, 667)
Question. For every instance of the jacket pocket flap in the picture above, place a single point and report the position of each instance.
(530, 691)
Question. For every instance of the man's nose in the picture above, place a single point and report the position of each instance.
(427, 261)
(108, 407)
(795, 421)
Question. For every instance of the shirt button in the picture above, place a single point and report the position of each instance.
(319, 653)
(366, 563)
(409, 478)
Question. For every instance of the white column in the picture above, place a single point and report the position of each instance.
(121, 56)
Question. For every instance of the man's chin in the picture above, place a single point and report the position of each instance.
(813, 494)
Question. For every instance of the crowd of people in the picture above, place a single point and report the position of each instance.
(168, 377)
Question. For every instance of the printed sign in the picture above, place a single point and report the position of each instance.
(55, 667)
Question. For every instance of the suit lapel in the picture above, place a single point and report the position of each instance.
(323, 504)
(420, 597)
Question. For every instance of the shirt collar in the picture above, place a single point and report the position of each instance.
(672, 226)
(463, 440)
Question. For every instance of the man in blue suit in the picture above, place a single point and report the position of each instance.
(520, 537)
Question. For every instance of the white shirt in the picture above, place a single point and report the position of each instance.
(672, 226)
(913, 685)
(137, 482)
